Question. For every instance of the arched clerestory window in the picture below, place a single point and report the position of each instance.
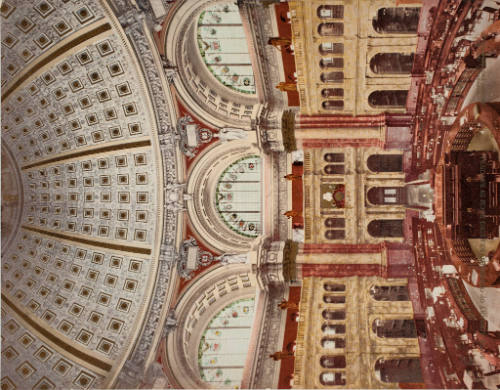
(331, 11)
(223, 46)
(398, 328)
(332, 92)
(332, 361)
(333, 105)
(329, 329)
(332, 343)
(390, 293)
(386, 228)
(331, 48)
(388, 99)
(220, 332)
(333, 299)
(332, 77)
(386, 195)
(331, 62)
(333, 314)
(403, 370)
(335, 222)
(392, 63)
(334, 157)
(385, 163)
(334, 287)
(332, 379)
(396, 20)
(334, 169)
(238, 196)
(335, 234)
(331, 29)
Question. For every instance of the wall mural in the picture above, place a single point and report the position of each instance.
(238, 196)
(224, 345)
(224, 48)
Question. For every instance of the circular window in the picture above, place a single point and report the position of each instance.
(224, 48)
(239, 198)
(224, 345)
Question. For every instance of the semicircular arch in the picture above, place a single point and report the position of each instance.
(196, 86)
(202, 183)
(206, 297)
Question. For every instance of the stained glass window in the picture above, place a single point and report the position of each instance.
(224, 345)
(239, 198)
(224, 48)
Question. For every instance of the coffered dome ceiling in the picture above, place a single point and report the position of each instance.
(150, 197)
(81, 199)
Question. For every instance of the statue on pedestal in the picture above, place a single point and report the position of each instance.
(287, 305)
(285, 87)
(240, 258)
(279, 42)
(292, 176)
(231, 133)
(281, 355)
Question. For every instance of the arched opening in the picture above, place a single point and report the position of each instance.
(329, 329)
(331, 48)
(385, 163)
(334, 157)
(390, 98)
(334, 287)
(333, 314)
(392, 63)
(394, 328)
(332, 379)
(334, 169)
(331, 11)
(335, 222)
(333, 105)
(400, 20)
(390, 293)
(333, 299)
(332, 361)
(332, 342)
(405, 370)
(386, 228)
(332, 77)
(331, 29)
(386, 195)
(335, 234)
(332, 92)
(331, 62)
